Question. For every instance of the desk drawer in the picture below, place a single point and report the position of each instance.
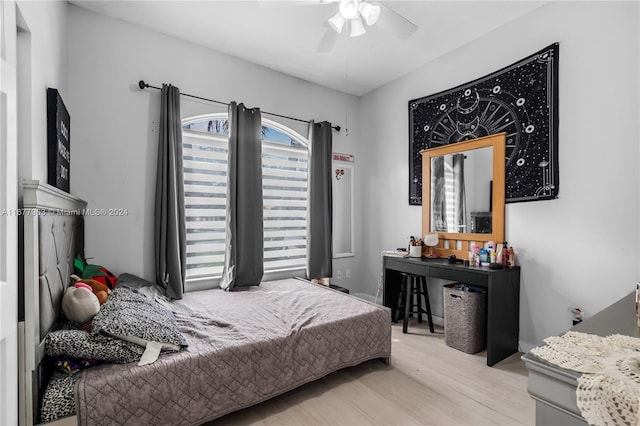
(467, 277)
(416, 268)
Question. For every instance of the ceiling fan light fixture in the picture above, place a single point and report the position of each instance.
(349, 8)
(337, 22)
(357, 27)
(370, 12)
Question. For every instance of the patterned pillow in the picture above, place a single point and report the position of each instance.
(83, 345)
(120, 331)
(134, 317)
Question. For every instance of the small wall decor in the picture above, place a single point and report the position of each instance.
(58, 142)
(347, 158)
(522, 100)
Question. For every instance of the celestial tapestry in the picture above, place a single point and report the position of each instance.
(521, 100)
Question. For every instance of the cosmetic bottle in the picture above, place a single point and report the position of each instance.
(484, 257)
(505, 255)
(512, 258)
(474, 256)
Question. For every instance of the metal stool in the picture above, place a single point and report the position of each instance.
(413, 285)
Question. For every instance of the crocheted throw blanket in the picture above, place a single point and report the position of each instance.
(609, 389)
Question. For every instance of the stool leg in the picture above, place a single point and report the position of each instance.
(401, 297)
(418, 290)
(425, 290)
(411, 287)
(407, 306)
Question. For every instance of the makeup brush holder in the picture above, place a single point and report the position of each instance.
(415, 251)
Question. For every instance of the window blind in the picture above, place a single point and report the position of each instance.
(284, 184)
(205, 191)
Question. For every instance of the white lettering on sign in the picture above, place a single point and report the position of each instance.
(64, 131)
(63, 151)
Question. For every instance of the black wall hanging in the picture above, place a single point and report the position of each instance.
(521, 100)
(58, 142)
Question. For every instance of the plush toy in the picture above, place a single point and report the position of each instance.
(101, 291)
(79, 304)
(94, 272)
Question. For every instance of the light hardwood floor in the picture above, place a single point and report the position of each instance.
(428, 383)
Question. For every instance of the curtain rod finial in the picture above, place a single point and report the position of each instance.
(337, 128)
(142, 84)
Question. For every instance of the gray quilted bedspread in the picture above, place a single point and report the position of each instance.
(243, 347)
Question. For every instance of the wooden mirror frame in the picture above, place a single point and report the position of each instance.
(460, 243)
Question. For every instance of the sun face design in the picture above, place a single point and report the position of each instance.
(473, 115)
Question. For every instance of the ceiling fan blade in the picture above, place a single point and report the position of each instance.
(328, 41)
(395, 23)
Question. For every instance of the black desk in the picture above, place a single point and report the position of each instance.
(503, 296)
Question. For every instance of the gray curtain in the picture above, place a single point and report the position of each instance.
(319, 233)
(459, 191)
(169, 224)
(244, 257)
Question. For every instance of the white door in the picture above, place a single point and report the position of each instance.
(8, 217)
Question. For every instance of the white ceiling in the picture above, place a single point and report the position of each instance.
(285, 36)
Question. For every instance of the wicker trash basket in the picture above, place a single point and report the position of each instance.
(465, 317)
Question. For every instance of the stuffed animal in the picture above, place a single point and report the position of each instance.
(94, 272)
(101, 291)
(79, 304)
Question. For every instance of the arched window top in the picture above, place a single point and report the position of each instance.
(273, 132)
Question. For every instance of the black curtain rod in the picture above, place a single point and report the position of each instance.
(142, 85)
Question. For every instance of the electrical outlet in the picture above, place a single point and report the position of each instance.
(347, 273)
(338, 274)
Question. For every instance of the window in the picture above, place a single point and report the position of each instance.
(285, 157)
(205, 187)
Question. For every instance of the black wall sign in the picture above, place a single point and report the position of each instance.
(58, 145)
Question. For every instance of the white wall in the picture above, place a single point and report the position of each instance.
(581, 249)
(114, 131)
(42, 62)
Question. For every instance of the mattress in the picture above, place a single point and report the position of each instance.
(243, 347)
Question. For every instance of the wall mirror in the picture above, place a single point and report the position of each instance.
(343, 210)
(463, 193)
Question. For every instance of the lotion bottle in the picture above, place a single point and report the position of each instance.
(505, 255)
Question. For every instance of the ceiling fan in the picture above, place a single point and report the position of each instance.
(354, 16)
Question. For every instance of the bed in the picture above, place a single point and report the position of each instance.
(241, 347)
